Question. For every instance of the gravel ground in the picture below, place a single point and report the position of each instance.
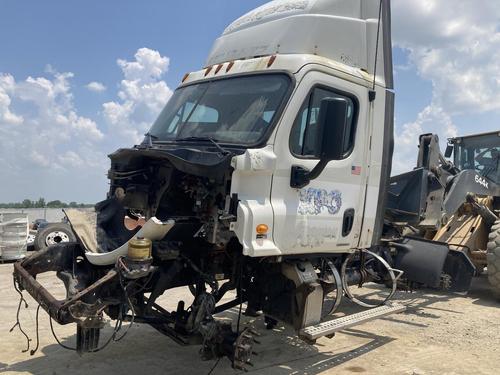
(439, 334)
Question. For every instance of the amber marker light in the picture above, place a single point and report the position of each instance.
(219, 68)
(262, 229)
(271, 61)
(185, 77)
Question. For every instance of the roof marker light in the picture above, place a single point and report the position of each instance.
(271, 61)
(185, 77)
(218, 68)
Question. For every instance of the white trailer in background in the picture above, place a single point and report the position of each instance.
(14, 230)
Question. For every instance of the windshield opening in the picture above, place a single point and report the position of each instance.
(480, 154)
(238, 110)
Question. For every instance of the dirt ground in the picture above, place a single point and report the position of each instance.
(439, 334)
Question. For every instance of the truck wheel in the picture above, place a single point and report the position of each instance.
(53, 234)
(494, 256)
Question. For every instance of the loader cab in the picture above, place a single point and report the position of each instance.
(480, 153)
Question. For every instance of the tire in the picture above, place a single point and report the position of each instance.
(53, 234)
(494, 257)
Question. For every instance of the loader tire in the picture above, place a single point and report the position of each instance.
(494, 257)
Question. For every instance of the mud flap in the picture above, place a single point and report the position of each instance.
(434, 264)
(460, 270)
(421, 260)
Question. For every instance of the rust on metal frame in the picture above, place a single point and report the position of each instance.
(57, 309)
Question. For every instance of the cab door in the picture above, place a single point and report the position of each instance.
(326, 215)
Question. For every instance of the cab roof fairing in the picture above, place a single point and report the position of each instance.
(291, 63)
(309, 27)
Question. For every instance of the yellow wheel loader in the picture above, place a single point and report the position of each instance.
(450, 204)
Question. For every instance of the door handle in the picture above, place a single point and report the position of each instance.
(348, 222)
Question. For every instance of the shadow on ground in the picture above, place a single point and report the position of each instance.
(280, 352)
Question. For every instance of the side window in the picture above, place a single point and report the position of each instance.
(304, 135)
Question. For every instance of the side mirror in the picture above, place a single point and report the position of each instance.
(449, 151)
(332, 126)
(330, 140)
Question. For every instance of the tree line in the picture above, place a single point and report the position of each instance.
(41, 203)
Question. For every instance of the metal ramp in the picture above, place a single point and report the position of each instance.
(339, 324)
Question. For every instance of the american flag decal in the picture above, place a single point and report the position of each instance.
(356, 170)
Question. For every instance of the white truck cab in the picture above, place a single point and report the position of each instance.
(320, 49)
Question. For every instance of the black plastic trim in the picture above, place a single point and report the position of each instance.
(387, 33)
(385, 174)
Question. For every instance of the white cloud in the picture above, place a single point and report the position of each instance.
(71, 159)
(44, 138)
(6, 115)
(430, 120)
(148, 66)
(142, 95)
(455, 44)
(39, 123)
(95, 86)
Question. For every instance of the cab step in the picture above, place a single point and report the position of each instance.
(335, 325)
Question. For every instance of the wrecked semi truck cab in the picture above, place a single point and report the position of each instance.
(265, 175)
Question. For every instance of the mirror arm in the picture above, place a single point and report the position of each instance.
(314, 174)
(301, 177)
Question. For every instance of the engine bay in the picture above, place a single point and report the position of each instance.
(182, 199)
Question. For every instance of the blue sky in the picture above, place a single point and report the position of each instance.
(88, 37)
(445, 52)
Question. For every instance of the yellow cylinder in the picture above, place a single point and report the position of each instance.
(139, 249)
